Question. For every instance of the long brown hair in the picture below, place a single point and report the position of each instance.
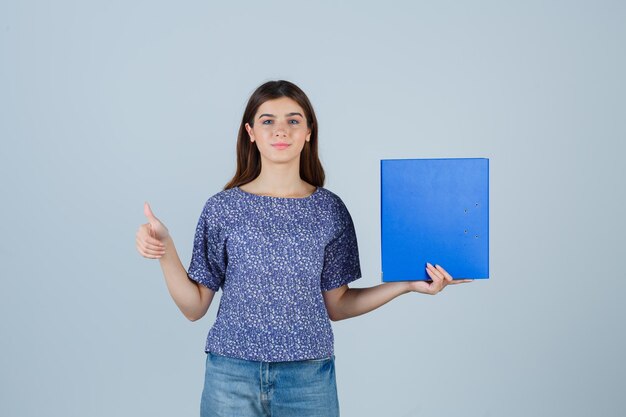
(248, 156)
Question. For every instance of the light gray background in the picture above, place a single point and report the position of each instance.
(106, 104)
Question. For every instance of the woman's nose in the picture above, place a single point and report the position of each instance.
(280, 129)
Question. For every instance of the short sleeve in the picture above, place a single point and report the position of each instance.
(341, 255)
(208, 259)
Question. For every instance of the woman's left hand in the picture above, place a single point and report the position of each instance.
(439, 280)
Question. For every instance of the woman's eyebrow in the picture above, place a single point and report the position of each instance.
(295, 113)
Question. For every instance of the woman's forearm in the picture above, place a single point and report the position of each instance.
(184, 291)
(357, 301)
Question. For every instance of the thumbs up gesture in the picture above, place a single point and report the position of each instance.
(151, 236)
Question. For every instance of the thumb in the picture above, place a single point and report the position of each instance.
(148, 212)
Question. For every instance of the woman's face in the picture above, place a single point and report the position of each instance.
(280, 131)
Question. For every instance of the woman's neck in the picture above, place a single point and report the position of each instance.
(279, 181)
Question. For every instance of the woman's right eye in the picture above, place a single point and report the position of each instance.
(267, 122)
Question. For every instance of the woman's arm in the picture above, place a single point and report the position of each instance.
(154, 242)
(344, 302)
(192, 299)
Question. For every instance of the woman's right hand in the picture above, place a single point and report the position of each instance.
(151, 236)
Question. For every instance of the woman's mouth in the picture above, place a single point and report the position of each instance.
(280, 145)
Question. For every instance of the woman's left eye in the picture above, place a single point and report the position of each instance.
(295, 122)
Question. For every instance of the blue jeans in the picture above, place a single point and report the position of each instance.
(241, 388)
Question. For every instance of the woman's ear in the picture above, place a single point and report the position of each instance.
(250, 132)
(308, 136)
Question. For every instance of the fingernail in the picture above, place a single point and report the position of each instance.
(428, 264)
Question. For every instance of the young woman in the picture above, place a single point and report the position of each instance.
(283, 249)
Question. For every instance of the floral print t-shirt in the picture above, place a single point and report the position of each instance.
(272, 257)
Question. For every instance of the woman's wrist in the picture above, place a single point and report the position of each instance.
(399, 287)
(170, 248)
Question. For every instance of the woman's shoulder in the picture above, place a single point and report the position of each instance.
(331, 199)
(219, 200)
(327, 194)
(223, 195)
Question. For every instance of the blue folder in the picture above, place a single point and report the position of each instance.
(437, 211)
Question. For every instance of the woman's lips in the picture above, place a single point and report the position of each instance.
(280, 145)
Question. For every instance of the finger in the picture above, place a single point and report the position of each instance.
(441, 284)
(148, 242)
(151, 252)
(154, 242)
(435, 285)
(151, 234)
(434, 271)
(432, 276)
(148, 213)
(149, 246)
(146, 234)
(157, 248)
(447, 276)
(148, 254)
(461, 281)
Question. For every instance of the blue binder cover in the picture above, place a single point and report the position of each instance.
(437, 211)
